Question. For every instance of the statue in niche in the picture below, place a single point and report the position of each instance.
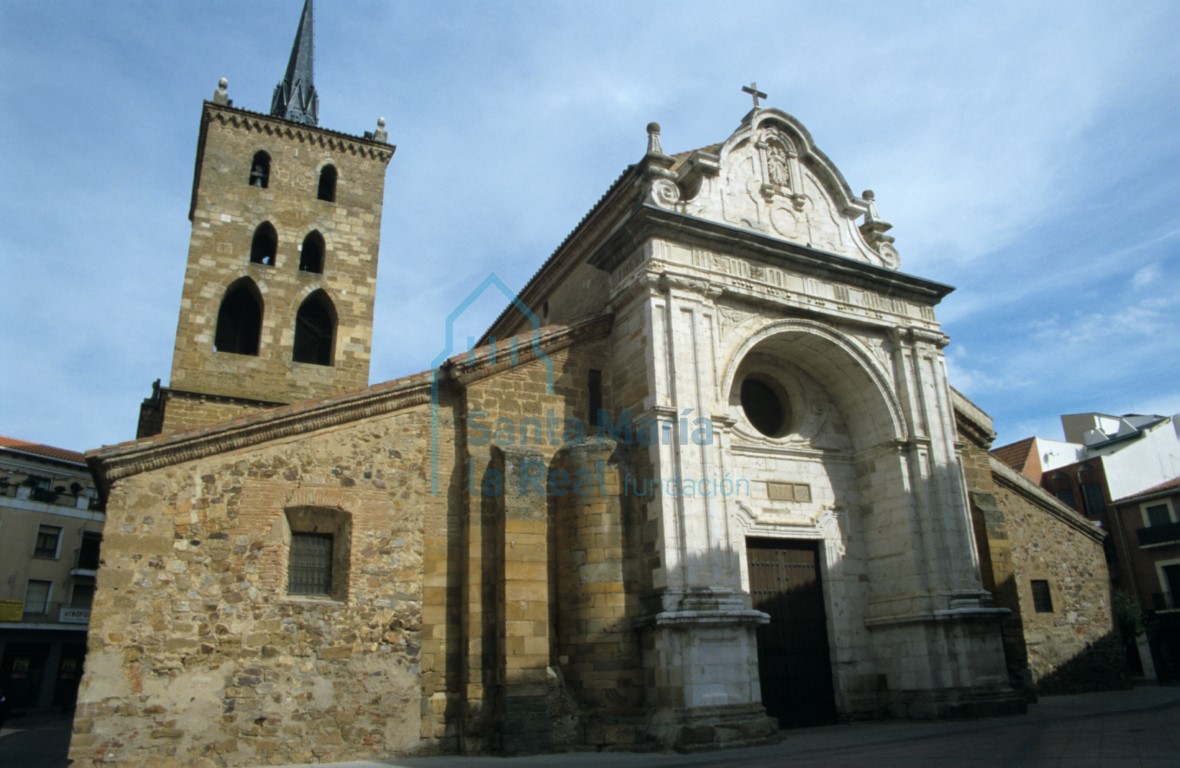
(776, 164)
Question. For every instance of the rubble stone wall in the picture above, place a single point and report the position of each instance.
(200, 657)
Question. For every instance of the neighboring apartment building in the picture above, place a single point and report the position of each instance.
(50, 531)
(1149, 527)
(1107, 461)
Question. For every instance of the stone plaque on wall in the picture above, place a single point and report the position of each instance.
(788, 491)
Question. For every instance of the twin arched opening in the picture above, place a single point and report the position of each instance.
(265, 245)
(239, 319)
(260, 176)
(239, 324)
(315, 330)
(311, 253)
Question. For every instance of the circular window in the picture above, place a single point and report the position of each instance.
(765, 407)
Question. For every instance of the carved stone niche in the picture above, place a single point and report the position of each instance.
(781, 174)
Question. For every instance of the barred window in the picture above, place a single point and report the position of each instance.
(37, 594)
(310, 568)
(318, 557)
(1042, 599)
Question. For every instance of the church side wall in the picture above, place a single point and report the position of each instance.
(1073, 646)
(199, 656)
(1022, 538)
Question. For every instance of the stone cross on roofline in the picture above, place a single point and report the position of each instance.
(752, 89)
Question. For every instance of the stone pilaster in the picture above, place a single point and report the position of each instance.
(699, 646)
(598, 649)
(522, 714)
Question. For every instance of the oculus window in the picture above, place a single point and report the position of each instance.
(766, 405)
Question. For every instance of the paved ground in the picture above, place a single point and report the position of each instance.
(35, 742)
(1140, 727)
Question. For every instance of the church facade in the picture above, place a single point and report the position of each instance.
(703, 478)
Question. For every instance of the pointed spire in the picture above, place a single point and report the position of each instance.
(295, 98)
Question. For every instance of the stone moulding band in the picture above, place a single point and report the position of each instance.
(700, 618)
(949, 614)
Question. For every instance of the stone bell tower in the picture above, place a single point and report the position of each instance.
(278, 293)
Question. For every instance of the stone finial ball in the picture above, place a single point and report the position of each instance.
(868, 194)
(653, 127)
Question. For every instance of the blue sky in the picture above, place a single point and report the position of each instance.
(1027, 154)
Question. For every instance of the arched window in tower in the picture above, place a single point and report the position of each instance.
(327, 188)
(311, 254)
(265, 244)
(315, 330)
(239, 320)
(260, 170)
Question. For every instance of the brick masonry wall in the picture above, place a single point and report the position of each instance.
(198, 656)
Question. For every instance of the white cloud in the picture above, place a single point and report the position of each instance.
(1015, 162)
(1146, 276)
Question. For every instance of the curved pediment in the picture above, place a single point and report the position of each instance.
(769, 177)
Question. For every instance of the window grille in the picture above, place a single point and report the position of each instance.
(310, 568)
(1042, 600)
(37, 595)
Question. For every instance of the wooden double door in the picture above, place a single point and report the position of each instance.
(793, 661)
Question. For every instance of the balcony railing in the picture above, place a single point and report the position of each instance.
(1159, 534)
(85, 561)
(47, 496)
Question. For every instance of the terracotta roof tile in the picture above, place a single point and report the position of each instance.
(1015, 455)
(61, 454)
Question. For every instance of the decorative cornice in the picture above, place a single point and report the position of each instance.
(915, 336)
(308, 134)
(647, 221)
(671, 281)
